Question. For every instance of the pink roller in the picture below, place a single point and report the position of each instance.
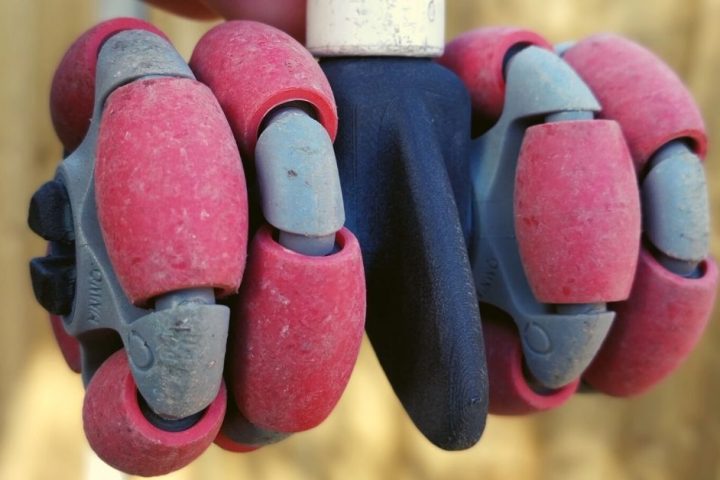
(120, 434)
(510, 393)
(170, 190)
(639, 91)
(253, 68)
(69, 345)
(72, 94)
(298, 325)
(478, 58)
(577, 212)
(224, 442)
(188, 8)
(655, 329)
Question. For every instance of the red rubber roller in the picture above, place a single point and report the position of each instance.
(510, 393)
(226, 443)
(298, 322)
(639, 91)
(478, 58)
(253, 68)
(69, 345)
(170, 190)
(655, 329)
(577, 212)
(72, 94)
(120, 434)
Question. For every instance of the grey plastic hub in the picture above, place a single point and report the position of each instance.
(176, 352)
(562, 48)
(133, 54)
(569, 116)
(182, 297)
(311, 246)
(559, 341)
(299, 182)
(675, 207)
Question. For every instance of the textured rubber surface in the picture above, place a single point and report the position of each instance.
(655, 329)
(72, 94)
(50, 215)
(120, 434)
(69, 345)
(478, 58)
(510, 392)
(189, 8)
(639, 91)
(226, 443)
(577, 212)
(170, 190)
(237, 434)
(53, 280)
(253, 68)
(54, 275)
(298, 325)
(403, 151)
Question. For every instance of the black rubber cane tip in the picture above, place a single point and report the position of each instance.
(53, 280)
(49, 214)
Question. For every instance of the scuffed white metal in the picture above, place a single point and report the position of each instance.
(411, 28)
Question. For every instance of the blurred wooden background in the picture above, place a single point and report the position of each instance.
(671, 433)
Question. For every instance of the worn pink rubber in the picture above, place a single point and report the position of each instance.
(72, 94)
(69, 345)
(661, 322)
(510, 393)
(188, 8)
(226, 443)
(577, 212)
(638, 90)
(478, 58)
(298, 322)
(120, 434)
(170, 190)
(253, 68)
(655, 329)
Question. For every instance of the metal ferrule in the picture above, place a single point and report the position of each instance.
(408, 28)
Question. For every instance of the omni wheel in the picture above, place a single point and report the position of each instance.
(72, 94)
(125, 437)
(658, 326)
(511, 391)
